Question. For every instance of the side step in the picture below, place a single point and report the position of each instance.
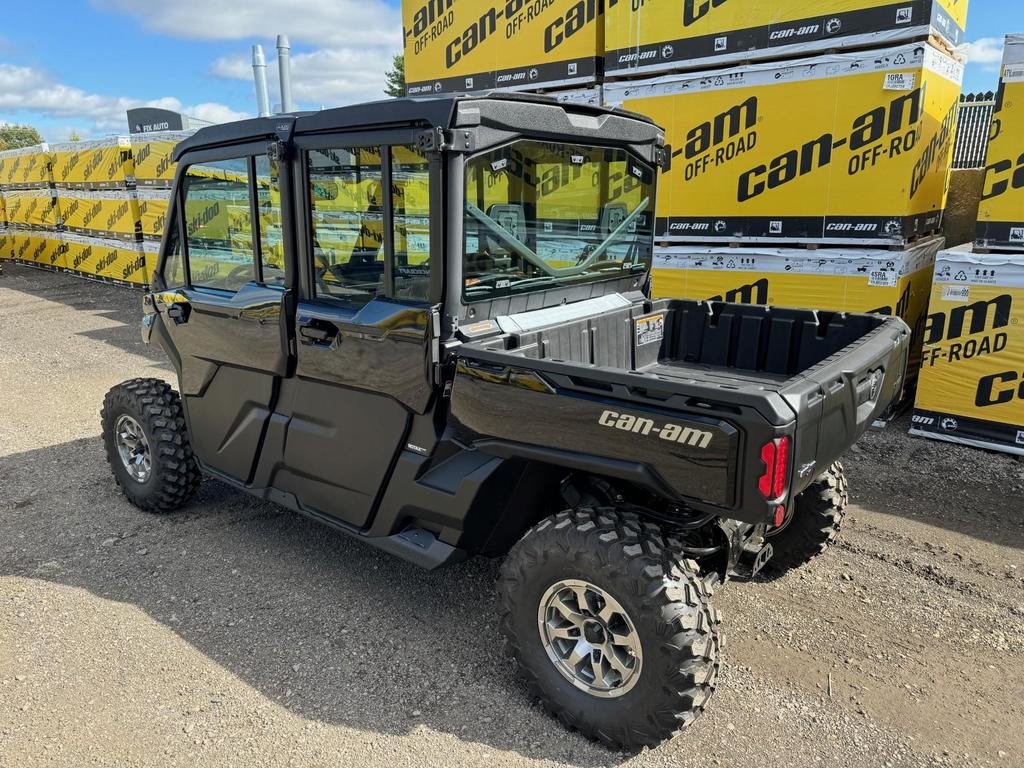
(419, 547)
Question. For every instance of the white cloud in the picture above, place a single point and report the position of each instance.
(986, 52)
(328, 77)
(329, 23)
(352, 40)
(31, 90)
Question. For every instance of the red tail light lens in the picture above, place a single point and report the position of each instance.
(775, 457)
(781, 471)
(764, 483)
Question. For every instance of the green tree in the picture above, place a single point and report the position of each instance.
(395, 85)
(74, 136)
(16, 136)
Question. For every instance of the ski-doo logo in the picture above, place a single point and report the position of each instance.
(639, 425)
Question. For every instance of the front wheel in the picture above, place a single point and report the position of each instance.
(147, 444)
(611, 627)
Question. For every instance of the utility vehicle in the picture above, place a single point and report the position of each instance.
(427, 323)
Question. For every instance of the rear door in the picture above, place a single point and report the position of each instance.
(224, 305)
(368, 286)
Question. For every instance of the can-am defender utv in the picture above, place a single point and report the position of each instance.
(428, 324)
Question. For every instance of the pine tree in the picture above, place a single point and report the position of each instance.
(395, 85)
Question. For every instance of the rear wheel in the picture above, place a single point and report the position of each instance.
(813, 525)
(611, 627)
(147, 445)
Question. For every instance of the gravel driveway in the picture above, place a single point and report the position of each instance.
(236, 633)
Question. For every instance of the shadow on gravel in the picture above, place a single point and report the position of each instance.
(969, 491)
(320, 623)
(117, 303)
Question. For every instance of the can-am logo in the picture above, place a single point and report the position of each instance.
(976, 318)
(695, 10)
(755, 293)
(639, 425)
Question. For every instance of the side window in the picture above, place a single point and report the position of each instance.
(174, 265)
(346, 199)
(218, 224)
(268, 203)
(410, 205)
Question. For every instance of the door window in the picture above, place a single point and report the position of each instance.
(410, 206)
(347, 204)
(218, 224)
(271, 237)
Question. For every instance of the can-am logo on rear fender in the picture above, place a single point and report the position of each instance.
(640, 425)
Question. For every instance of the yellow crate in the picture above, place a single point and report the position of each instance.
(106, 259)
(107, 213)
(836, 279)
(31, 208)
(972, 379)
(653, 36)
(152, 155)
(1001, 216)
(26, 167)
(509, 44)
(154, 205)
(101, 164)
(44, 249)
(851, 148)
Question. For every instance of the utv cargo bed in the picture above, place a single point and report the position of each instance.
(739, 373)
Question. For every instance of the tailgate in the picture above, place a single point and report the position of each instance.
(838, 399)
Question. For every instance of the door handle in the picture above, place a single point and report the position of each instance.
(179, 312)
(317, 332)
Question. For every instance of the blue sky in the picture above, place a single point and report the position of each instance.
(92, 59)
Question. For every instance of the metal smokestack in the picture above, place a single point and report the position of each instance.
(284, 63)
(259, 73)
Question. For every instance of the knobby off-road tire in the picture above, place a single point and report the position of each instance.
(815, 524)
(668, 606)
(152, 407)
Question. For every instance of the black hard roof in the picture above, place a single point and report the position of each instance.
(427, 112)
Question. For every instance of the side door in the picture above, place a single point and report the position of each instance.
(369, 284)
(224, 304)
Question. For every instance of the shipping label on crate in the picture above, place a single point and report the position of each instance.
(867, 161)
(647, 36)
(512, 44)
(972, 378)
(1001, 215)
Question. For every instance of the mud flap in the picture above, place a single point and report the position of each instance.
(761, 559)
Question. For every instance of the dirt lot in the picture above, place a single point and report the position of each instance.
(239, 634)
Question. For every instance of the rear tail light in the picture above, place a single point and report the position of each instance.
(775, 457)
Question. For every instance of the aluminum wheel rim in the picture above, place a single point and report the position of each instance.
(133, 448)
(590, 638)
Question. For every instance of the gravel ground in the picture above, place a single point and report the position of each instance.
(236, 633)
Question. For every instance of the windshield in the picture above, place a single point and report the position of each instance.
(541, 215)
